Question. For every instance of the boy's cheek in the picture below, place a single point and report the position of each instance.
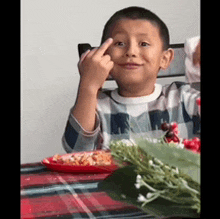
(114, 71)
(109, 51)
(114, 54)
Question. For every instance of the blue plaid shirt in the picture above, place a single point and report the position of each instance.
(119, 117)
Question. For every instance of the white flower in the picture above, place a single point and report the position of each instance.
(180, 145)
(149, 195)
(158, 161)
(152, 140)
(176, 170)
(151, 162)
(123, 195)
(138, 183)
(129, 142)
(138, 177)
(133, 142)
(141, 198)
(153, 165)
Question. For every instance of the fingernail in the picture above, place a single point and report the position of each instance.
(109, 39)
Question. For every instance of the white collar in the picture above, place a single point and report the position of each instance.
(137, 100)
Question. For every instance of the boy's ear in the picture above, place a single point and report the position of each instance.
(167, 57)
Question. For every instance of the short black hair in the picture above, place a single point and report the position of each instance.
(137, 13)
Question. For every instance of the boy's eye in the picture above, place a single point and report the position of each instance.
(119, 44)
(144, 44)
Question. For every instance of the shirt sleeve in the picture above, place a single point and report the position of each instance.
(191, 111)
(192, 72)
(75, 138)
(190, 95)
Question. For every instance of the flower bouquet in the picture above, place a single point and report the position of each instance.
(160, 176)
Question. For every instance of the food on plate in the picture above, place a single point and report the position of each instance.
(94, 158)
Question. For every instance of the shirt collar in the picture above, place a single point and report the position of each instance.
(137, 100)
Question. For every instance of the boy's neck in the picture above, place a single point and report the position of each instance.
(136, 91)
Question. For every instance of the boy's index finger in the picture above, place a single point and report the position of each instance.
(102, 49)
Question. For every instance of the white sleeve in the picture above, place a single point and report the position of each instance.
(192, 71)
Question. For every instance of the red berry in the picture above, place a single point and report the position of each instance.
(196, 139)
(185, 142)
(165, 126)
(175, 139)
(192, 146)
(169, 139)
(174, 125)
(198, 101)
(169, 134)
(176, 131)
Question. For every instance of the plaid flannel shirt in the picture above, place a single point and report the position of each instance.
(119, 117)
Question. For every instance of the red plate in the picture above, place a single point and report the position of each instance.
(49, 163)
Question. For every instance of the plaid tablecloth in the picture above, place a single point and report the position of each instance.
(49, 194)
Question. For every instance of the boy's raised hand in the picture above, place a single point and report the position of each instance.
(94, 66)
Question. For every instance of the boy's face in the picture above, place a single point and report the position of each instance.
(137, 52)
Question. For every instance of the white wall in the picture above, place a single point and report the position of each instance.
(50, 32)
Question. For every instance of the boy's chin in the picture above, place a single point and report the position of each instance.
(134, 78)
(129, 82)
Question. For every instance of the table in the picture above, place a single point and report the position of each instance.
(50, 194)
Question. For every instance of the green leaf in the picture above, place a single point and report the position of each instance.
(185, 160)
(120, 186)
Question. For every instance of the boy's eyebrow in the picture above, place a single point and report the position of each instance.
(119, 32)
(138, 34)
(142, 34)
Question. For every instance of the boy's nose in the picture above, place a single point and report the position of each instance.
(131, 51)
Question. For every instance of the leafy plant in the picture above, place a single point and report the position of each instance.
(162, 175)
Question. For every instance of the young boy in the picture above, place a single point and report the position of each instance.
(135, 46)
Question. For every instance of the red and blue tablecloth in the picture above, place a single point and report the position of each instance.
(50, 194)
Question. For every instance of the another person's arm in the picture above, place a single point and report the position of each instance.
(193, 61)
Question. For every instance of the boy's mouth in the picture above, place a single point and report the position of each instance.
(130, 65)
